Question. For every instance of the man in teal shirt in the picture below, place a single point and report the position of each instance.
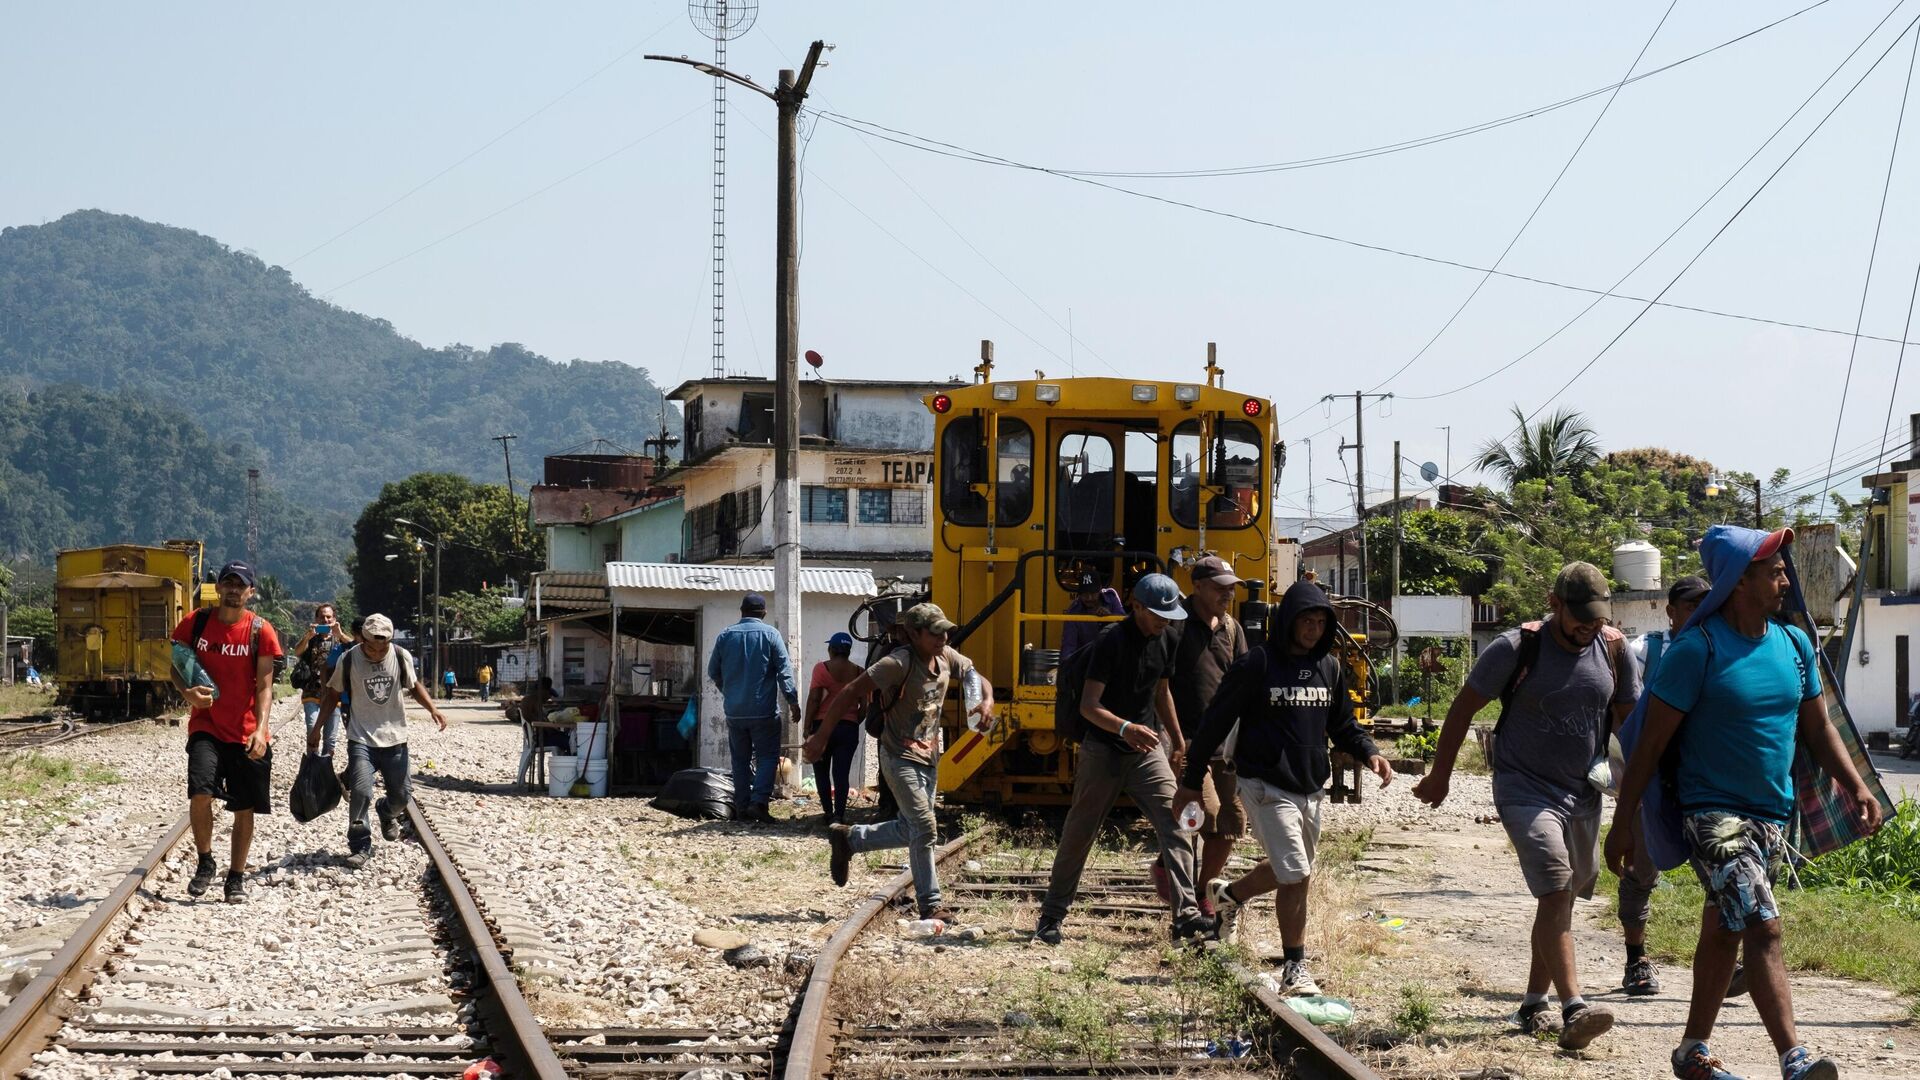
(1734, 694)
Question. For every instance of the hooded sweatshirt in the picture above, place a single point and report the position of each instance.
(1288, 707)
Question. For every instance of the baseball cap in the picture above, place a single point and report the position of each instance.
(237, 569)
(1158, 594)
(378, 627)
(1585, 592)
(753, 601)
(1214, 568)
(927, 617)
(1088, 583)
(1688, 590)
(841, 640)
(1771, 546)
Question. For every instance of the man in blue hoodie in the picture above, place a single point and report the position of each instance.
(1289, 698)
(1734, 695)
(750, 665)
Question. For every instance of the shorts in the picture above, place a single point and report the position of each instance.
(1287, 824)
(1559, 852)
(1226, 814)
(1737, 860)
(224, 771)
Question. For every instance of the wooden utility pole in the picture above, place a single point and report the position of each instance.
(1393, 590)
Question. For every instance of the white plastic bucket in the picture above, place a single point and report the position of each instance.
(597, 778)
(590, 739)
(562, 771)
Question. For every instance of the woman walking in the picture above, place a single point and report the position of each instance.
(832, 771)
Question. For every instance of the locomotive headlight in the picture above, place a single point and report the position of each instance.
(1006, 391)
(1146, 392)
(1186, 392)
(1048, 393)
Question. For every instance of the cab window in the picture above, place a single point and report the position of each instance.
(1232, 469)
(963, 464)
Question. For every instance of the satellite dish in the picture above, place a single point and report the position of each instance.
(815, 359)
(1429, 472)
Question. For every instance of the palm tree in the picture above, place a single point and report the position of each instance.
(1561, 445)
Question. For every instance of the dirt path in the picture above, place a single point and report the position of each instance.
(1468, 914)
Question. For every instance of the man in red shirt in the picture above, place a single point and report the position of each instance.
(227, 736)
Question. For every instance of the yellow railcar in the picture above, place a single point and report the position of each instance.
(1039, 482)
(118, 606)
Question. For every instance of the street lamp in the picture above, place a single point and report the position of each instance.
(433, 665)
(1716, 485)
(419, 582)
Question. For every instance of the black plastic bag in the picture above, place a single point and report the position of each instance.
(316, 789)
(697, 793)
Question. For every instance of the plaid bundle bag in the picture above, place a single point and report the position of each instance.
(1824, 819)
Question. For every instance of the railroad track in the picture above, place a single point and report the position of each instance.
(824, 1045)
(48, 729)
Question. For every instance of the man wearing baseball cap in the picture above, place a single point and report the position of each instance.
(1736, 696)
(1204, 645)
(1563, 685)
(228, 738)
(1128, 708)
(374, 673)
(750, 665)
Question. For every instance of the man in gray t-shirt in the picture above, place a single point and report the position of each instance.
(374, 674)
(1564, 684)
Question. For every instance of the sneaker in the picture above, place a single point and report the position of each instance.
(1225, 908)
(1296, 982)
(1800, 1064)
(1582, 1024)
(942, 912)
(1699, 1064)
(389, 828)
(759, 812)
(358, 859)
(202, 876)
(1640, 980)
(1539, 1018)
(1047, 931)
(236, 888)
(1737, 986)
(840, 841)
(1196, 930)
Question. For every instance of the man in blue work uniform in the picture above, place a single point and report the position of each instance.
(750, 665)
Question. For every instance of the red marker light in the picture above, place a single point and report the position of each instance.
(1251, 406)
(942, 403)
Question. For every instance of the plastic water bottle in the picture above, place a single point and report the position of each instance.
(975, 696)
(1191, 816)
(926, 928)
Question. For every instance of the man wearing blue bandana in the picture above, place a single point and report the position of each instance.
(1734, 694)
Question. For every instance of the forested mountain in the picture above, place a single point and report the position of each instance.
(144, 368)
(79, 467)
(336, 402)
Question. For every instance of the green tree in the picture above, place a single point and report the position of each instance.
(36, 623)
(1439, 553)
(484, 616)
(1563, 444)
(481, 544)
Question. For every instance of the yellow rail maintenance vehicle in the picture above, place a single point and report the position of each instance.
(1040, 482)
(118, 606)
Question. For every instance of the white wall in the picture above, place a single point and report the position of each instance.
(1871, 686)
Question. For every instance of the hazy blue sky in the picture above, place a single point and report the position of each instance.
(274, 128)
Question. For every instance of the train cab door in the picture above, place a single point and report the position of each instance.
(1107, 479)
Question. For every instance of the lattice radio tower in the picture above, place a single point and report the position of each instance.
(721, 20)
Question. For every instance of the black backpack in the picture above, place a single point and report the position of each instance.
(1072, 678)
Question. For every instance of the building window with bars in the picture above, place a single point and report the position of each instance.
(876, 506)
(909, 506)
(823, 505)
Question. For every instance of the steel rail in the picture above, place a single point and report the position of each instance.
(517, 1034)
(810, 1054)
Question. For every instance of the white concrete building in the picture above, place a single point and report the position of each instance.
(866, 473)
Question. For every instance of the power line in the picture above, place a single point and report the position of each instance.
(1873, 252)
(1544, 196)
(483, 147)
(931, 146)
(1677, 229)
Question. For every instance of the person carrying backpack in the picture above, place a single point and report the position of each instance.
(1736, 696)
(1563, 685)
(311, 668)
(913, 681)
(229, 744)
(376, 672)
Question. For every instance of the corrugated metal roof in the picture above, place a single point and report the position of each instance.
(829, 581)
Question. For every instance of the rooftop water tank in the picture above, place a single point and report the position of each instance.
(1636, 564)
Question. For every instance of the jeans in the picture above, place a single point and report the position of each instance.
(327, 737)
(835, 767)
(755, 746)
(486, 691)
(362, 761)
(1102, 775)
(914, 829)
